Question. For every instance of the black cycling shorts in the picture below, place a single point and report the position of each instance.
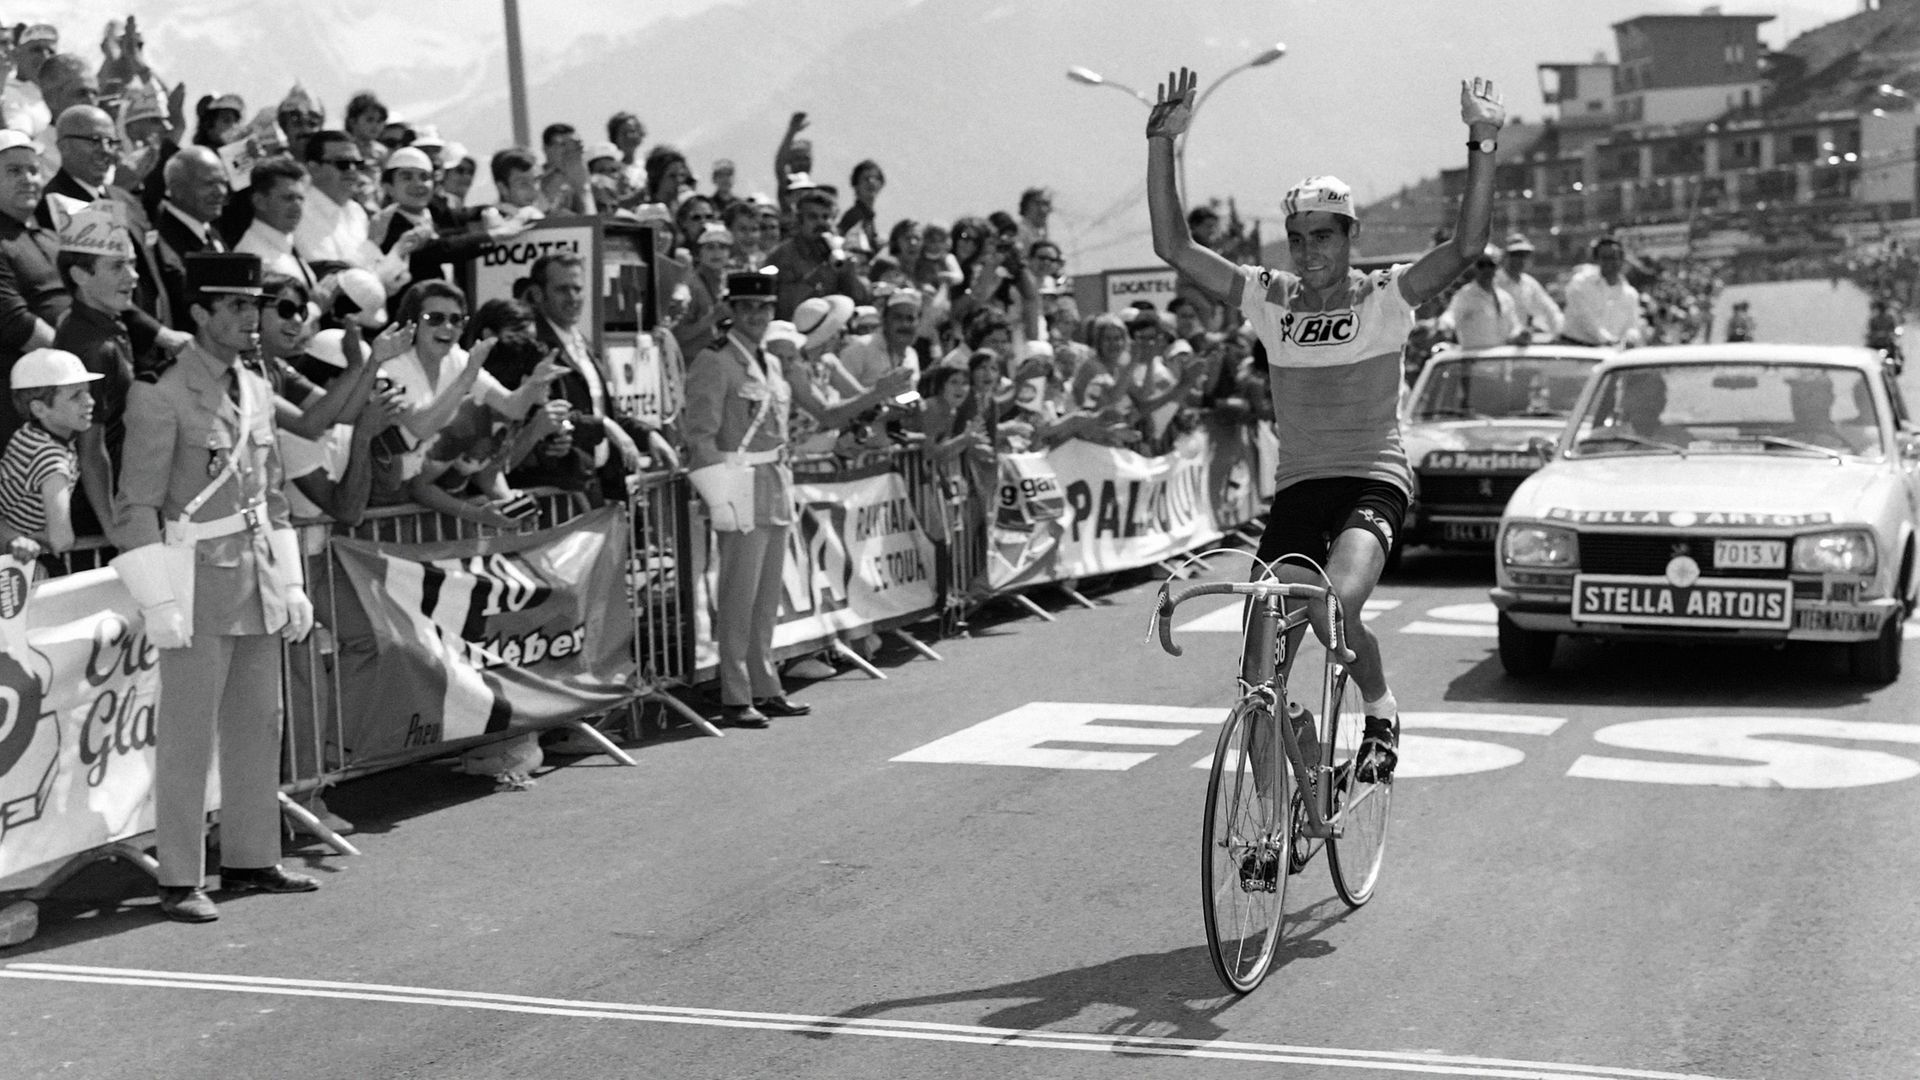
(1305, 517)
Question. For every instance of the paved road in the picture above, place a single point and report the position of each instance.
(1693, 862)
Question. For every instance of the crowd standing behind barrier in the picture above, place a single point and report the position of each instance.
(482, 411)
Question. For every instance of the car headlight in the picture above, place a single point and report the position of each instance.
(1846, 551)
(1527, 544)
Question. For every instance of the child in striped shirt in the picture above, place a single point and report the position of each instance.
(40, 470)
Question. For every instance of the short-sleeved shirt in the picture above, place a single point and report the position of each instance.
(33, 456)
(1334, 375)
(410, 378)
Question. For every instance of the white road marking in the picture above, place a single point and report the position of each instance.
(1424, 757)
(1774, 763)
(1428, 1064)
(1449, 629)
(1226, 620)
(1457, 620)
(1014, 737)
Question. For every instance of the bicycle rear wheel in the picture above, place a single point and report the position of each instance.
(1243, 861)
(1360, 809)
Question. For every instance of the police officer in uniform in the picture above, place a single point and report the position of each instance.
(210, 558)
(737, 394)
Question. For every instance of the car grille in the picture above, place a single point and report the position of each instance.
(1453, 489)
(1642, 553)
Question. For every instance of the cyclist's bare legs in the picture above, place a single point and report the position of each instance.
(1354, 567)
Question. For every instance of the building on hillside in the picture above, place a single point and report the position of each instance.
(1700, 141)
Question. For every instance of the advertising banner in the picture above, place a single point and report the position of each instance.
(76, 724)
(1125, 511)
(1153, 284)
(510, 260)
(857, 555)
(450, 640)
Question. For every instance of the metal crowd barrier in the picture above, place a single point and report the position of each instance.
(660, 583)
(314, 750)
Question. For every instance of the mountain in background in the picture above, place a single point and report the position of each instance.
(963, 102)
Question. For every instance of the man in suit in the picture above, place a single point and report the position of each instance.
(89, 151)
(558, 297)
(196, 194)
(211, 559)
(737, 406)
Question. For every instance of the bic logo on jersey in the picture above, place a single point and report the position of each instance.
(1322, 328)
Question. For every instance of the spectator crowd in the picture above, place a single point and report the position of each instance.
(393, 386)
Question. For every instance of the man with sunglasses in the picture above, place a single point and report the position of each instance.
(334, 231)
(89, 151)
(1483, 313)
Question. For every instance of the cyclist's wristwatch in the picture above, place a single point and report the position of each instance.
(1485, 146)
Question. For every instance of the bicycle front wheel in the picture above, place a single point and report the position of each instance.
(1360, 809)
(1243, 862)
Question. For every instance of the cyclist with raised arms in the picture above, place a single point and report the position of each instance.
(1333, 337)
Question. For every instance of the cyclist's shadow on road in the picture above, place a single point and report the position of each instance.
(1171, 995)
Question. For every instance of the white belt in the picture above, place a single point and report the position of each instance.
(188, 532)
(759, 457)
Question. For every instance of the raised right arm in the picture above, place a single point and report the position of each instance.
(1171, 240)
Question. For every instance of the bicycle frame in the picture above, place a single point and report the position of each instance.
(1266, 665)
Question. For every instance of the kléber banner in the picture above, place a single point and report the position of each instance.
(76, 724)
(1125, 510)
(857, 556)
(447, 641)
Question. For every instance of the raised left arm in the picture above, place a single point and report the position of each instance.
(1484, 115)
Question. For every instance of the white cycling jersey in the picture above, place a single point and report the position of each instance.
(1334, 375)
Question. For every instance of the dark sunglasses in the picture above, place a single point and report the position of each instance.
(443, 318)
(1485, 264)
(284, 307)
(343, 164)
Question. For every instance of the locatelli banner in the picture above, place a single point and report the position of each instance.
(76, 723)
(447, 641)
(857, 555)
(1125, 511)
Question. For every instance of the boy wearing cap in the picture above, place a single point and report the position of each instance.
(40, 467)
(96, 263)
(1542, 317)
(209, 555)
(1333, 337)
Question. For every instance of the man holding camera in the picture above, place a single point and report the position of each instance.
(814, 263)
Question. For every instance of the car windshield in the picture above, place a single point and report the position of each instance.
(1736, 407)
(1487, 387)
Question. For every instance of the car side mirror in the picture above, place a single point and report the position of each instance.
(1543, 447)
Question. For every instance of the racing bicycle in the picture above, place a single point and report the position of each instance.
(1266, 818)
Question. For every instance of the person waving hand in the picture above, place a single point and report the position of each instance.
(1333, 337)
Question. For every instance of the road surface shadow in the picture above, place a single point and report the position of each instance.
(112, 896)
(1668, 675)
(1442, 566)
(1168, 995)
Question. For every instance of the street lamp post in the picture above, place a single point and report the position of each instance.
(1089, 77)
(1278, 50)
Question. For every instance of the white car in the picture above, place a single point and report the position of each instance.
(1743, 492)
(1471, 425)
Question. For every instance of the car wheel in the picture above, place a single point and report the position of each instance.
(1525, 653)
(1877, 662)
